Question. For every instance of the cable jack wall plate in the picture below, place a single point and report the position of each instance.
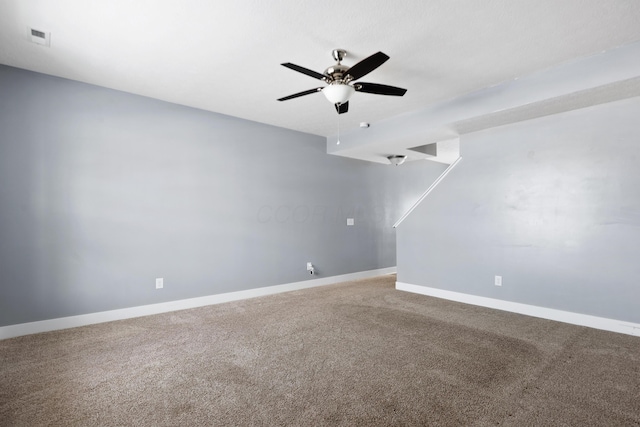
(39, 36)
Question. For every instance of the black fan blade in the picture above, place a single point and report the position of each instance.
(367, 65)
(296, 95)
(342, 108)
(303, 70)
(379, 89)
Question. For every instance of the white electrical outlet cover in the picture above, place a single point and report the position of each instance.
(350, 221)
(159, 283)
(498, 281)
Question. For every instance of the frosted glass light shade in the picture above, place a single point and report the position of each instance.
(338, 93)
(397, 160)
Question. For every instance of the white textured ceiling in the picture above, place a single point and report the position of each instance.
(224, 56)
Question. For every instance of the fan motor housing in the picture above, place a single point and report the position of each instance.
(336, 72)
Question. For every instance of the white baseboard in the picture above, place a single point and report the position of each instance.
(145, 310)
(529, 310)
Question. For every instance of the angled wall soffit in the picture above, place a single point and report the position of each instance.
(609, 76)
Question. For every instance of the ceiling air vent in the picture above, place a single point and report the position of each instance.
(39, 37)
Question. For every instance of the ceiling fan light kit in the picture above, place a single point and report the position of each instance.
(340, 78)
(338, 93)
(397, 160)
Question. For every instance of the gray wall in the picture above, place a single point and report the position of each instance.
(102, 191)
(552, 205)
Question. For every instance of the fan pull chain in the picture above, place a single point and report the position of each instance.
(338, 143)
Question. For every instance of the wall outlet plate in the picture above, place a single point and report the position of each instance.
(159, 283)
(350, 221)
(498, 281)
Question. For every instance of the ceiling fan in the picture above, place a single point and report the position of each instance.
(341, 79)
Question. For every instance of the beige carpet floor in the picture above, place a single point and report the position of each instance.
(358, 353)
